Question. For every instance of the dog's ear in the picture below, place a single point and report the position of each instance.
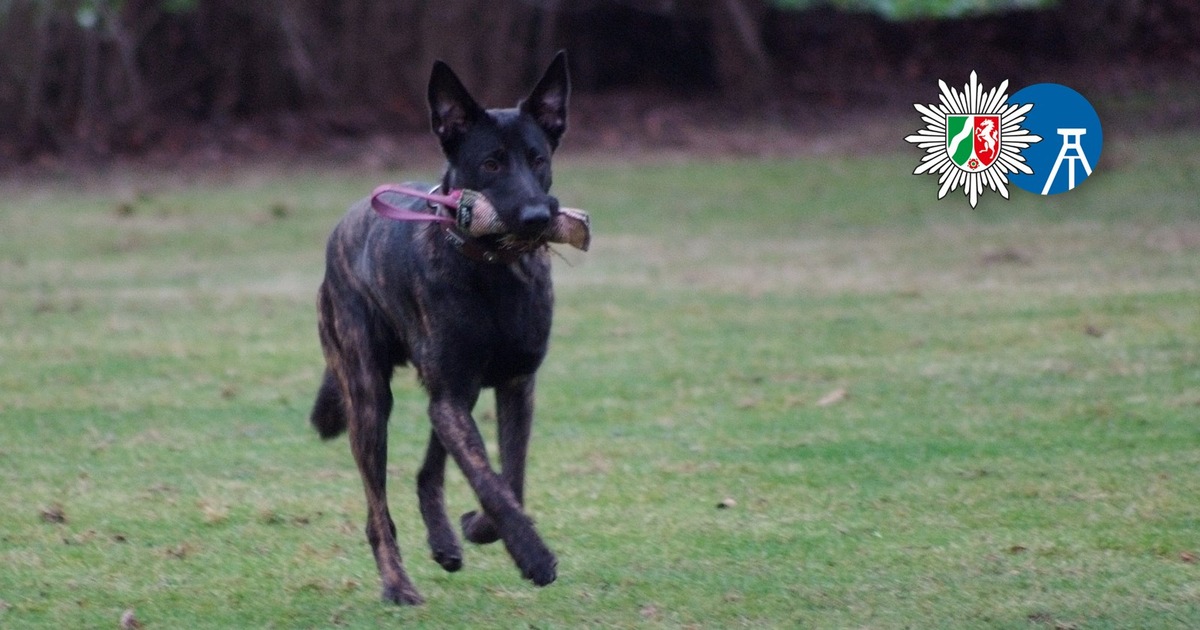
(547, 103)
(451, 109)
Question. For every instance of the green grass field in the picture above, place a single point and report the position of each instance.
(925, 416)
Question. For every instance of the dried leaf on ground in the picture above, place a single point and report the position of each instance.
(53, 514)
(834, 397)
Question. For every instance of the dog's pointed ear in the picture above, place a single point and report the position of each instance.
(451, 109)
(547, 103)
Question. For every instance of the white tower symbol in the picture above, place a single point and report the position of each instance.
(1070, 143)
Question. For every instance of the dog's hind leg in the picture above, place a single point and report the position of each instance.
(363, 379)
(514, 418)
(430, 480)
(371, 404)
(451, 417)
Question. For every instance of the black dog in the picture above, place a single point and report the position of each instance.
(467, 313)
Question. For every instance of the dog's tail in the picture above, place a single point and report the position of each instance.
(328, 412)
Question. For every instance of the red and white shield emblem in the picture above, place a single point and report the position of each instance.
(987, 139)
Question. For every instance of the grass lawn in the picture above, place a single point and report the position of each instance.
(915, 414)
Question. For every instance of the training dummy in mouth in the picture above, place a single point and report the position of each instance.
(475, 216)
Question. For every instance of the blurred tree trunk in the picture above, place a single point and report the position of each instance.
(1101, 27)
(369, 53)
(491, 44)
(69, 73)
(24, 31)
(743, 67)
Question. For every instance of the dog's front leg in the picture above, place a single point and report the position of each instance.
(460, 436)
(430, 483)
(514, 418)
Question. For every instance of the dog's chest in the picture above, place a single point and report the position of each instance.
(482, 324)
(515, 329)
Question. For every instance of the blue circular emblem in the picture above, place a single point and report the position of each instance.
(1071, 139)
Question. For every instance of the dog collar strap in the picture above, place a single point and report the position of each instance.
(473, 249)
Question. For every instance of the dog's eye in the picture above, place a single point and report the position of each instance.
(537, 160)
(491, 165)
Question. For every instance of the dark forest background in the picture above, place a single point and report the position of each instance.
(90, 79)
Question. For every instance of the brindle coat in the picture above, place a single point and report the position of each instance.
(402, 293)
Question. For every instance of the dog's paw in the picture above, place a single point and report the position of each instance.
(445, 548)
(543, 571)
(536, 562)
(404, 595)
(478, 528)
(451, 560)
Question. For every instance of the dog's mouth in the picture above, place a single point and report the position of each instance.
(535, 225)
(520, 238)
(564, 225)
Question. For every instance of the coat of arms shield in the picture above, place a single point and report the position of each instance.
(973, 141)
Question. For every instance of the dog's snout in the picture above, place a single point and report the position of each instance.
(535, 216)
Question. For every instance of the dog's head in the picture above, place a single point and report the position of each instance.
(503, 153)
